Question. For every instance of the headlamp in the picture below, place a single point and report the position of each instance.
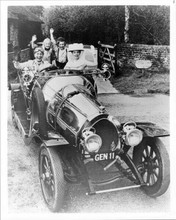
(27, 76)
(133, 137)
(92, 141)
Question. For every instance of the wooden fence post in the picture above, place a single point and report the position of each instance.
(115, 63)
(98, 54)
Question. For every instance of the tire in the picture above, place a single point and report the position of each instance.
(38, 115)
(152, 161)
(51, 178)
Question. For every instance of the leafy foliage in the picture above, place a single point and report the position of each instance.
(89, 24)
(37, 10)
(149, 24)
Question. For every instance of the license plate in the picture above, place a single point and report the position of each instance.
(104, 156)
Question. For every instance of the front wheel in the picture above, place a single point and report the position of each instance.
(152, 161)
(51, 178)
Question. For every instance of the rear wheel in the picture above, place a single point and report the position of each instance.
(51, 178)
(152, 161)
(38, 115)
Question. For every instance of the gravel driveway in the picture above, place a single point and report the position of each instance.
(23, 182)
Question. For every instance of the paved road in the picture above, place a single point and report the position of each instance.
(23, 183)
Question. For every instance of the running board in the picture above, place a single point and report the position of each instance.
(27, 140)
(112, 190)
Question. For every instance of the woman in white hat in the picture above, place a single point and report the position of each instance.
(76, 60)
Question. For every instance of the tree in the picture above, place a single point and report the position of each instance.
(90, 24)
(37, 10)
(127, 16)
(149, 24)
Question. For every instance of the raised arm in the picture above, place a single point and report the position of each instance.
(51, 36)
(19, 65)
(53, 40)
(33, 45)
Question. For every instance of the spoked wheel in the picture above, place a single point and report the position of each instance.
(152, 161)
(51, 178)
(38, 117)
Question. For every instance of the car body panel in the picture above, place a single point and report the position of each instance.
(152, 130)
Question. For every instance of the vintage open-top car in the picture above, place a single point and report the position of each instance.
(80, 141)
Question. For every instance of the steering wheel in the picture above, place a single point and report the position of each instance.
(52, 67)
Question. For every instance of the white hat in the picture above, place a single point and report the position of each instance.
(75, 46)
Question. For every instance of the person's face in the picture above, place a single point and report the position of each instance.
(47, 45)
(61, 44)
(38, 56)
(76, 54)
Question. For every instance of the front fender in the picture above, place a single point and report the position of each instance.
(55, 139)
(152, 130)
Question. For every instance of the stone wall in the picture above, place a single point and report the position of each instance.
(127, 54)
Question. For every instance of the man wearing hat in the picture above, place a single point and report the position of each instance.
(37, 64)
(60, 50)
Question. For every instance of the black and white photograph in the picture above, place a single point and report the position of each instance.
(87, 109)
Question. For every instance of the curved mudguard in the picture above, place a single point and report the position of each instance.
(152, 130)
(55, 140)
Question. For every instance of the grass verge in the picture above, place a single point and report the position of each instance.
(140, 82)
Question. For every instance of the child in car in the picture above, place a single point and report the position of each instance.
(49, 53)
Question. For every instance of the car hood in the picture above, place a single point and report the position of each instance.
(57, 90)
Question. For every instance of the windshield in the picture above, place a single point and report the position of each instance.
(55, 84)
(87, 105)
